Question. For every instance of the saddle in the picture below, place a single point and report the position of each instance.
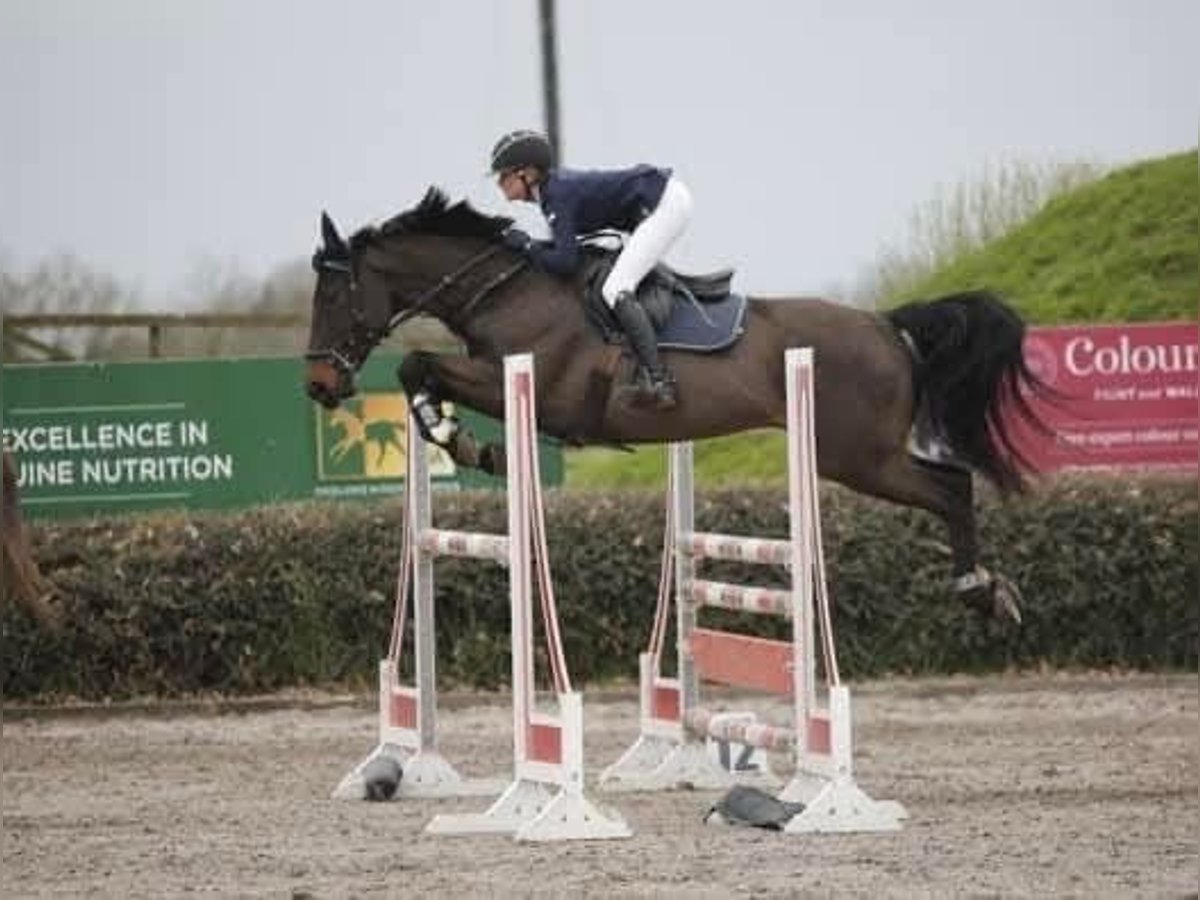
(689, 312)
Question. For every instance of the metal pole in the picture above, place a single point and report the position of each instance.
(550, 75)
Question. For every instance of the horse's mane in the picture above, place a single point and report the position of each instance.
(435, 214)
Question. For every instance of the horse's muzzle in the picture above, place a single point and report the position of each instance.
(328, 386)
(322, 394)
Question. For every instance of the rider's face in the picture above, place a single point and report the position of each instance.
(513, 185)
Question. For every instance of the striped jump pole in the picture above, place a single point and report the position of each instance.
(671, 750)
(545, 800)
(408, 711)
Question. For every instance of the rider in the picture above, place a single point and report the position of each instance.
(649, 203)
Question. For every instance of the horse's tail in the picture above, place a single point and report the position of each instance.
(970, 375)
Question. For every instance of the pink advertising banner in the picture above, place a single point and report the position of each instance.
(1129, 397)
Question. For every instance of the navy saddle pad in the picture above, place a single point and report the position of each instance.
(703, 327)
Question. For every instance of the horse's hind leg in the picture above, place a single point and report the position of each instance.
(988, 592)
(947, 492)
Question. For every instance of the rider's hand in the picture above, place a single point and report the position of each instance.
(518, 240)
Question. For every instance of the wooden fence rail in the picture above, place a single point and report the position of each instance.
(15, 327)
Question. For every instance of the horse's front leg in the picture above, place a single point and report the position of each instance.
(431, 380)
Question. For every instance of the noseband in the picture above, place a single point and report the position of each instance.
(363, 338)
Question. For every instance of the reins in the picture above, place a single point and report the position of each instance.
(363, 338)
(424, 302)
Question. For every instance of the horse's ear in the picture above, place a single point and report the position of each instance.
(334, 245)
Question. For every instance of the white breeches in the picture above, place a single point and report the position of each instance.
(650, 241)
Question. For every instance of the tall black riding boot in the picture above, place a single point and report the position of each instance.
(657, 381)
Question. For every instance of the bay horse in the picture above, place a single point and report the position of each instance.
(952, 366)
(21, 579)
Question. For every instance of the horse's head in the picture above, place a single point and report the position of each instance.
(350, 315)
(436, 259)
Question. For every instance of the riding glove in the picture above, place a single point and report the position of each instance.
(518, 240)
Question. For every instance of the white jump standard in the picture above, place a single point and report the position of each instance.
(671, 750)
(545, 801)
(408, 712)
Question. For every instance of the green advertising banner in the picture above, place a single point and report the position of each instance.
(99, 438)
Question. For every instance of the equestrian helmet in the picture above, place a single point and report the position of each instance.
(518, 149)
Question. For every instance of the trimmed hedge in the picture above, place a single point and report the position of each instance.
(302, 595)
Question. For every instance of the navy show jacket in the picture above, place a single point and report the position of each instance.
(578, 201)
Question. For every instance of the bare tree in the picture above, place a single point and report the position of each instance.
(63, 284)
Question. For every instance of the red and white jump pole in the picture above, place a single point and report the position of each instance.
(671, 749)
(545, 801)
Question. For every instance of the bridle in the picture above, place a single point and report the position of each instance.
(363, 337)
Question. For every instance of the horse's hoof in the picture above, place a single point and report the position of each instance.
(978, 598)
(993, 596)
(1006, 598)
(464, 450)
(493, 461)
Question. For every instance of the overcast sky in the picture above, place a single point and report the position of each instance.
(150, 137)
